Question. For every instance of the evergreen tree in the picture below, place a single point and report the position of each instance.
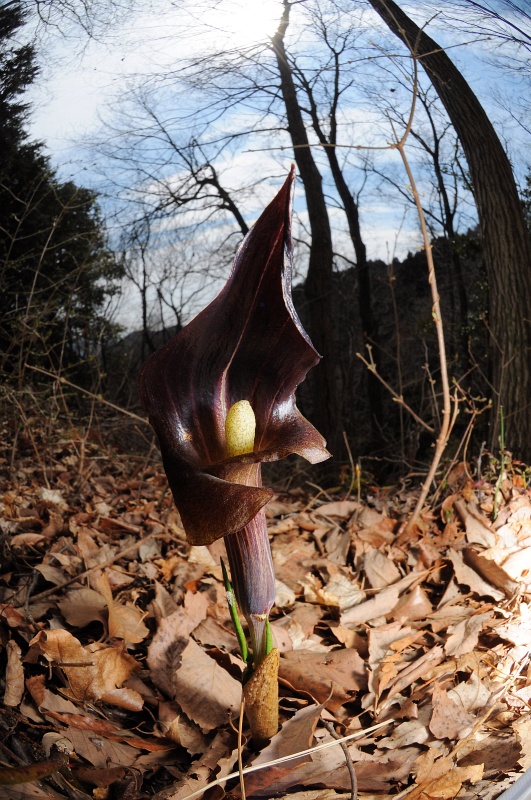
(56, 270)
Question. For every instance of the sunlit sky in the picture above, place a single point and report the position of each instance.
(80, 77)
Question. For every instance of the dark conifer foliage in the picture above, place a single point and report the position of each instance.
(56, 270)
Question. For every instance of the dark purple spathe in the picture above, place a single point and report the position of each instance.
(248, 344)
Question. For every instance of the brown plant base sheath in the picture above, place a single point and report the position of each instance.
(261, 699)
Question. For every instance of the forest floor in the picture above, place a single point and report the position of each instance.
(116, 637)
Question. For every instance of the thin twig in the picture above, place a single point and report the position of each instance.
(97, 397)
(444, 432)
(352, 468)
(348, 759)
(371, 366)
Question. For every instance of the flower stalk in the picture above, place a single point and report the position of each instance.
(251, 566)
(248, 550)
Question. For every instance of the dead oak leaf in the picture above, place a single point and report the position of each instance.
(100, 777)
(179, 729)
(472, 695)
(316, 794)
(388, 670)
(449, 785)
(498, 754)
(93, 672)
(517, 629)
(380, 641)
(99, 751)
(340, 592)
(45, 700)
(418, 668)
(295, 735)
(91, 738)
(382, 603)
(414, 605)
(51, 574)
(327, 769)
(522, 728)
(167, 645)
(108, 730)
(379, 569)
(12, 616)
(490, 571)
(125, 697)
(339, 508)
(406, 733)
(29, 791)
(477, 525)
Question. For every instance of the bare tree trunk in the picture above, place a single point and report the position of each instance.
(506, 244)
(368, 323)
(318, 286)
(350, 206)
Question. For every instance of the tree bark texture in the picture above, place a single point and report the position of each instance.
(507, 248)
(318, 285)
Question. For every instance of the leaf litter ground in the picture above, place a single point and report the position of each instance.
(116, 637)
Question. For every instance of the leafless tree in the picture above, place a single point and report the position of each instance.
(506, 242)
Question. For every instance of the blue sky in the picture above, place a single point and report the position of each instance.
(82, 81)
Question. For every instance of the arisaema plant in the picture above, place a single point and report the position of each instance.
(221, 399)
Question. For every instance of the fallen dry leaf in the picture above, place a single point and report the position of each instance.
(14, 676)
(449, 720)
(205, 691)
(382, 603)
(295, 736)
(125, 621)
(497, 754)
(339, 673)
(438, 648)
(200, 773)
(164, 652)
(339, 508)
(339, 591)
(79, 607)
(93, 672)
(470, 578)
(489, 570)
(464, 636)
(437, 777)
(179, 729)
(101, 778)
(379, 569)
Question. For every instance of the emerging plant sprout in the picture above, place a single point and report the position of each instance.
(221, 399)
